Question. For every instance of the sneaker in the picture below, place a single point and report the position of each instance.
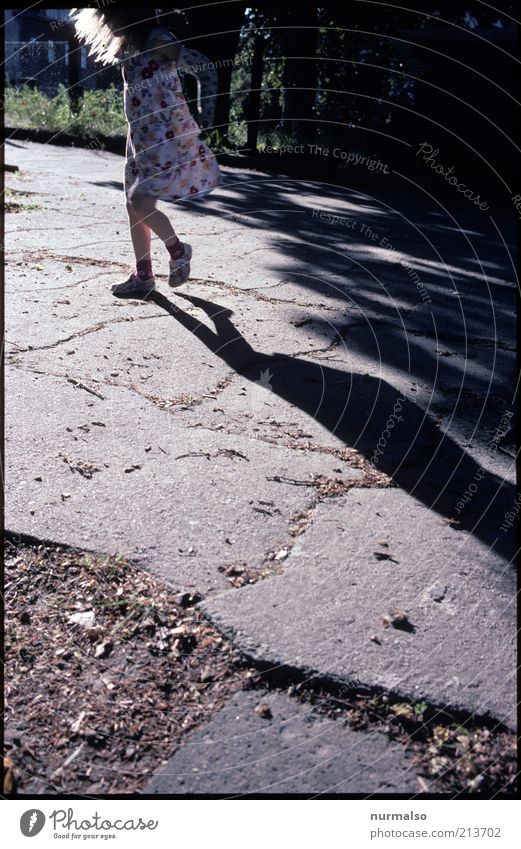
(180, 268)
(135, 287)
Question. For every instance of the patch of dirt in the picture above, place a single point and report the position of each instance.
(185, 402)
(12, 201)
(84, 467)
(97, 703)
(19, 206)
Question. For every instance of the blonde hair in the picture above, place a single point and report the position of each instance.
(93, 29)
(108, 30)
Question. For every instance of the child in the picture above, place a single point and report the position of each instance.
(165, 156)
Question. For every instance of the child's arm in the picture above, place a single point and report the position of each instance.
(193, 62)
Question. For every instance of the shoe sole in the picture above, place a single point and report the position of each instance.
(136, 296)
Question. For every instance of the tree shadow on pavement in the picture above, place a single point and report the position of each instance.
(437, 282)
(419, 457)
(109, 184)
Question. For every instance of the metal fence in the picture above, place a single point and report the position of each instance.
(47, 64)
(44, 64)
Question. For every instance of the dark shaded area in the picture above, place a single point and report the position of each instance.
(215, 30)
(112, 144)
(380, 80)
(371, 79)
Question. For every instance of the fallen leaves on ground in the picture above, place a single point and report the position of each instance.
(450, 756)
(107, 671)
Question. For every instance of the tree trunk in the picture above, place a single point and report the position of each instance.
(299, 79)
(254, 97)
(215, 31)
(75, 89)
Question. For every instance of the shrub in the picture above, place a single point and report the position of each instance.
(30, 108)
(98, 112)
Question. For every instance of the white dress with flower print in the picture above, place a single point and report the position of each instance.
(166, 158)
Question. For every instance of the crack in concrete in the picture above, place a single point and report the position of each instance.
(438, 337)
(78, 260)
(239, 574)
(182, 402)
(60, 288)
(85, 332)
(326, 487)
(468, 340)
(341, 335)
(253, 293)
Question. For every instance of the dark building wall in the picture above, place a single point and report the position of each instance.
(41, 48)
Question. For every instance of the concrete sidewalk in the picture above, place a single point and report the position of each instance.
(325, 408)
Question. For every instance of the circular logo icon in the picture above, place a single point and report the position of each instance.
(32, 822)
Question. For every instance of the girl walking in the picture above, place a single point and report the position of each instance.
(166, 159)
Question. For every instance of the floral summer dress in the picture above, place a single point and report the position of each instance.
(165, 156)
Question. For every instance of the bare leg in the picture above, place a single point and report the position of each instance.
(144, 207)
(140, 284)
(139, 233)
(144, 217)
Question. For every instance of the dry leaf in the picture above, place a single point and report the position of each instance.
(9, 777)
(103, 649)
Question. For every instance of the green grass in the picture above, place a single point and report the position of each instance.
(98, 112)
(101, 111)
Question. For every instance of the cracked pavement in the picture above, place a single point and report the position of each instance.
(230, 427)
